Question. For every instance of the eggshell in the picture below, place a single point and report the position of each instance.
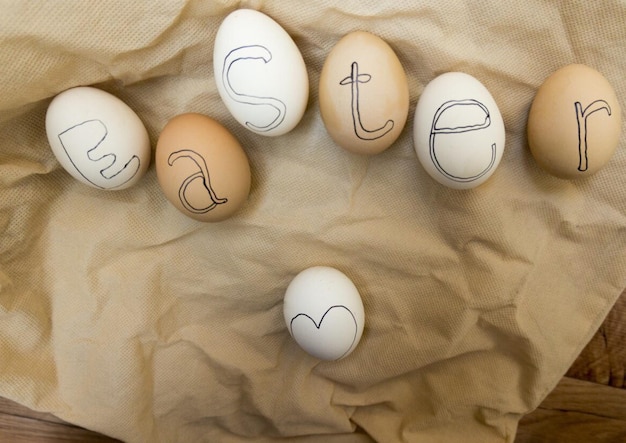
(324, 312)
(97, 138)
(363, 94)
(260, 73)
(201, 168)
(574, 122)
(458, 131)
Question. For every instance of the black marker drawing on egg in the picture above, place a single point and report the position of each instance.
(318, 325)
(252, 52)
(581, 119)
(203, 174)
(95, 132)
(476, 119)
(360, 131)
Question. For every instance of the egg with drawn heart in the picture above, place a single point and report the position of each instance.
(201, 168)
(363, 94)
(260, 73)
(458, 131)
(324, 312)
(97, 138)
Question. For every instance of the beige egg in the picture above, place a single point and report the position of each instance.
(201, 168)
(363, 94)
(574, 122)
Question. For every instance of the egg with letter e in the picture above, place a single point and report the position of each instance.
(97, 138)
(574, 122)
(260, 73)
(458, 131)
(201, 168)
(363, 94)
(324, 312)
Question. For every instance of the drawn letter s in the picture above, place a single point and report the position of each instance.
(252, 52)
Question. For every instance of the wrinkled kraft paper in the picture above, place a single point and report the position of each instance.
(120, 314)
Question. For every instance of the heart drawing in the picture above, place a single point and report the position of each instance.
(330, 338)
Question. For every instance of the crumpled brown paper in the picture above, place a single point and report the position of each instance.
(119, 314)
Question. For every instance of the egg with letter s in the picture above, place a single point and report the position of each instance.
(97, 138)
(324, 312)
(260, 73)
(574, 122)
(458, 131)
(363, 94)
(201, 168)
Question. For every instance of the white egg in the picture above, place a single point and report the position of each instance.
(260, 73)
(458, 131)
(97, 138)
(324, 312)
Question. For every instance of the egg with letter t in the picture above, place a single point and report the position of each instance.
(363, 94)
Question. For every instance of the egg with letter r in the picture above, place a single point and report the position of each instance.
(574, 122)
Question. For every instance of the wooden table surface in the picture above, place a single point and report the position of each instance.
(19, 424)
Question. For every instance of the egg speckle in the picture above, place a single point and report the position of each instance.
(574, 122)
(363, 94)
(201, 168)
(97, 138)
(324, 312)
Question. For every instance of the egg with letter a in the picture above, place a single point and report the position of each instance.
(363, 94)
(574, 122)
(260, 73)
(458, 131)
(324, 312)
(201, 168)
(97, 138)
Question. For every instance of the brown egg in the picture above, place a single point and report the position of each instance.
(574, 122)
(363, 94)
(201, 168)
